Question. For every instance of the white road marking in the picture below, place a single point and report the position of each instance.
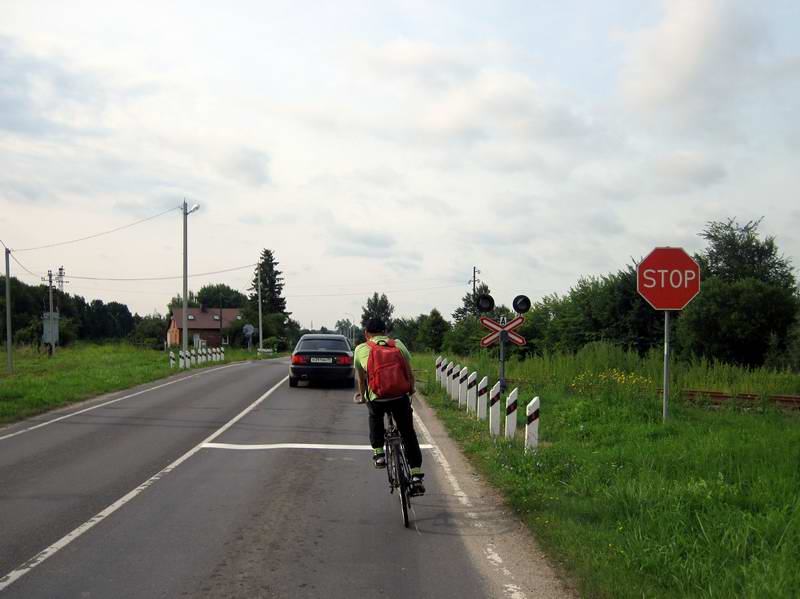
(511, 590)
(291, 446)
(36, 560)
(108, 403)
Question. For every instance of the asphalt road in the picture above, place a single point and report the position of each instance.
(186, 488)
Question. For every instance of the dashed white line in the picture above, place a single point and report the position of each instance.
(29, 565)
(108, 403)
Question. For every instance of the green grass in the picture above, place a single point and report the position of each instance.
(707, 505)
(79, 372)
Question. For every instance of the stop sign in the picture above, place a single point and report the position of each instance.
(668, 278)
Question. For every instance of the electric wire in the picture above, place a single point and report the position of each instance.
(138, 222)
(164, 278)
(14, 258)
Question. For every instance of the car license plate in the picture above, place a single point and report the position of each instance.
(321, 360)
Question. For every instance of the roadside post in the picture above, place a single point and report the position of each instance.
(171, 360)
(9, 347)
(502, 331)
(454, 382)
(472, 384)
(438, 368)
(448, 377)
(494, 410)
(668, 279)
(443, 373)
(462, 387)
(511, 413)
(483, 393)
(532, 425)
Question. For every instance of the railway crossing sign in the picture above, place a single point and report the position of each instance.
(498, 328)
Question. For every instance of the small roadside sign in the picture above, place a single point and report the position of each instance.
(498, 328)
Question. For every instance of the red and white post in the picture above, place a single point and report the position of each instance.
(472, 384)
(448, 376)
(438, 369)
(511, 413)
(462, 387)
(532, 425)
(454, 382)
(494, 410)
(482, 396)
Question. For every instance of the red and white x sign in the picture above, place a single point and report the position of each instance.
(497, 328)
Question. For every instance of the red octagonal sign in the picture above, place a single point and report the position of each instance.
(668, 278)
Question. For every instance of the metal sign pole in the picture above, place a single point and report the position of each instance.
(666, 366)
(8, 314)
(503, 337)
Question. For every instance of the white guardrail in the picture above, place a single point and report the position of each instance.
(482, 403)
(194, 357)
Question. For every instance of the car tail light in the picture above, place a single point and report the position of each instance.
(344, 360)
(298, 359)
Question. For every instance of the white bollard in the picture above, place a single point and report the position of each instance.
(216, 354)
(472, 384)
(482, 396)
(443, 373)
(448, 376)
(182, 358)
(438, 368)
(223, 354)
(171, 360)
(462, 387)
(532, 425)
(454, 382)
(511, 414)
(194, 357)
(494, 410)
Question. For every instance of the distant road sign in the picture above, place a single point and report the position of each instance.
(668, 278)
(248, 330)
(498, 328)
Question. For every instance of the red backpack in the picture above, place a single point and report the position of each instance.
(388, 372)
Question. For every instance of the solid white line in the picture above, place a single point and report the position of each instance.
(511, 590)
(29, 565)
(291, 446)
(108, 403)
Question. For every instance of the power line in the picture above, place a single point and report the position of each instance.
(14, 258)
(167, 278)
(138, 222)
(369, 292)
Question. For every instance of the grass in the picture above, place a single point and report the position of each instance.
(80, 372)
(707, 505)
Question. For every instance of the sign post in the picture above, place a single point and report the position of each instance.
(668, 278)
(502, 331)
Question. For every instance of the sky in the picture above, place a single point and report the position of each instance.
(390, 146)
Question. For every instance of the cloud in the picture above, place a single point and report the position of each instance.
(697, 64)
(358, 242)
(686, 170)
(248, 166)
(420, 62)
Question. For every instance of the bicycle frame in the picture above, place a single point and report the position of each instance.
(397, 468)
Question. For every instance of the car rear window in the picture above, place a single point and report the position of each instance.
(323, 344)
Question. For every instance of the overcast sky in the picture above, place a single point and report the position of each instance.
(391, 146)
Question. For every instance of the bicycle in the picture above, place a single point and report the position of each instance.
(397, 468)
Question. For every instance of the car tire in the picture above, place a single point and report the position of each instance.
(293, 381)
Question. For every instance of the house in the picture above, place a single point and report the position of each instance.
(204, 324)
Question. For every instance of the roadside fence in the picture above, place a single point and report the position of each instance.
(480, 402)
(196, 357)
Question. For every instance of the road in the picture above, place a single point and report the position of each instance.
(186, 488)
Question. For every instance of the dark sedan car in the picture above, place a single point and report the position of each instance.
(323, 358)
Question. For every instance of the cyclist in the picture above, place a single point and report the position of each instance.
(398, 406)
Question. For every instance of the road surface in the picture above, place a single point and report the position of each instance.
(227, 483)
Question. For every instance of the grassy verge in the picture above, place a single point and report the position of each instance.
(82, 371)
(707, 505)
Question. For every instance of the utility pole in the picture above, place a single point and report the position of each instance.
(50, 314)
(8, 313)
(260, 331)
(184, 318)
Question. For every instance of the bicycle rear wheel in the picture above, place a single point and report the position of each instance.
(403, 485)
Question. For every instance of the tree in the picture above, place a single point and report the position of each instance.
(377, 307)
(749, 300)
(433, 330)
(469, 303)
(406, 329)
(221, 295)
(272, 299)
(735, 252)
(150, 331)
(177, 301)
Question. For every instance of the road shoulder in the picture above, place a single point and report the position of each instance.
(502, 547)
